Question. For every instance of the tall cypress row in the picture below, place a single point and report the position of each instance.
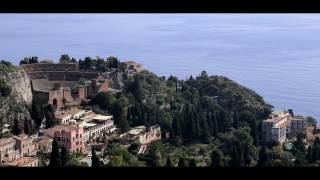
(55, 160)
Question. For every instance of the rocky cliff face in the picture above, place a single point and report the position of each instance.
(16, 105)
(21, 86)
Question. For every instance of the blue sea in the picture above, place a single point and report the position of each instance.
(277, 55)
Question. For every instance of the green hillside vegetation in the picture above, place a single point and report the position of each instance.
(6, 66)
(211, 113)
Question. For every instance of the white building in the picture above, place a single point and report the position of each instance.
(76, 113)
(281, 126)
(98, 126)
(276, 127)
(298, 125)
(142, 135)
(64, 118)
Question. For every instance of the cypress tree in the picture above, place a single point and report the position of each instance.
(205, 130)
(55, 160)
(95, 160)
(27, 127)
(169, 162)
(309, 155)
(36, 114)
(235, 159)
(254, 132)
(316, 141)
(299, 144)
(177, 125)
(215, 125)
(120, 114)
(210, 123)
(247, 159)
(316, 150)
(197, 127)
(235, 120)
(16, 127)
(264, 159)
(216, 158)
(49, 119)
(182, 163)
(65, 156)
(157, 158)
(240, 148)
(300, 159)
(224, 119)
(193, 163)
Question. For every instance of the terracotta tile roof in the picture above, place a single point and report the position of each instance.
(63, 115)
(22, 161)
(6, 141)
(67, 128)
(21, 137)
(73, 110)
(131, 63)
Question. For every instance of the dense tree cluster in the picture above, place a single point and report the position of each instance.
(197, 110)
(6, 66)
(98, 63)
(90, 64)
(65, 59)
(29, 60)
(60, 156)
(39, 112)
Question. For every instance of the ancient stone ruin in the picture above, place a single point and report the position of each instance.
(60, 84)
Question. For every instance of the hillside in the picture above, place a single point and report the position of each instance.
(195, 109)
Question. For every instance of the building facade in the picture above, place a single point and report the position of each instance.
(275, 128)
(99, 126)
(24, 162)
(8, 151)
(14, 148)
(142, 135)
(282, 126)
(131, 67)
(63, 118)
(298, 125)
(69, 136)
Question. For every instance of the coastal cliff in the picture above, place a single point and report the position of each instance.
(15, 105)
(20, 84)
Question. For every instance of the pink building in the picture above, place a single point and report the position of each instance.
(69, 136)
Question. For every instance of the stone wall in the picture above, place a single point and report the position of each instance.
(82, 92)
(56, 97)
(50, 67)
(104, 86)
(62, 75)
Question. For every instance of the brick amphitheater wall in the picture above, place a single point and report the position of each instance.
(43, 77)
(63, 75)
(57, 72)
(50, 67)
